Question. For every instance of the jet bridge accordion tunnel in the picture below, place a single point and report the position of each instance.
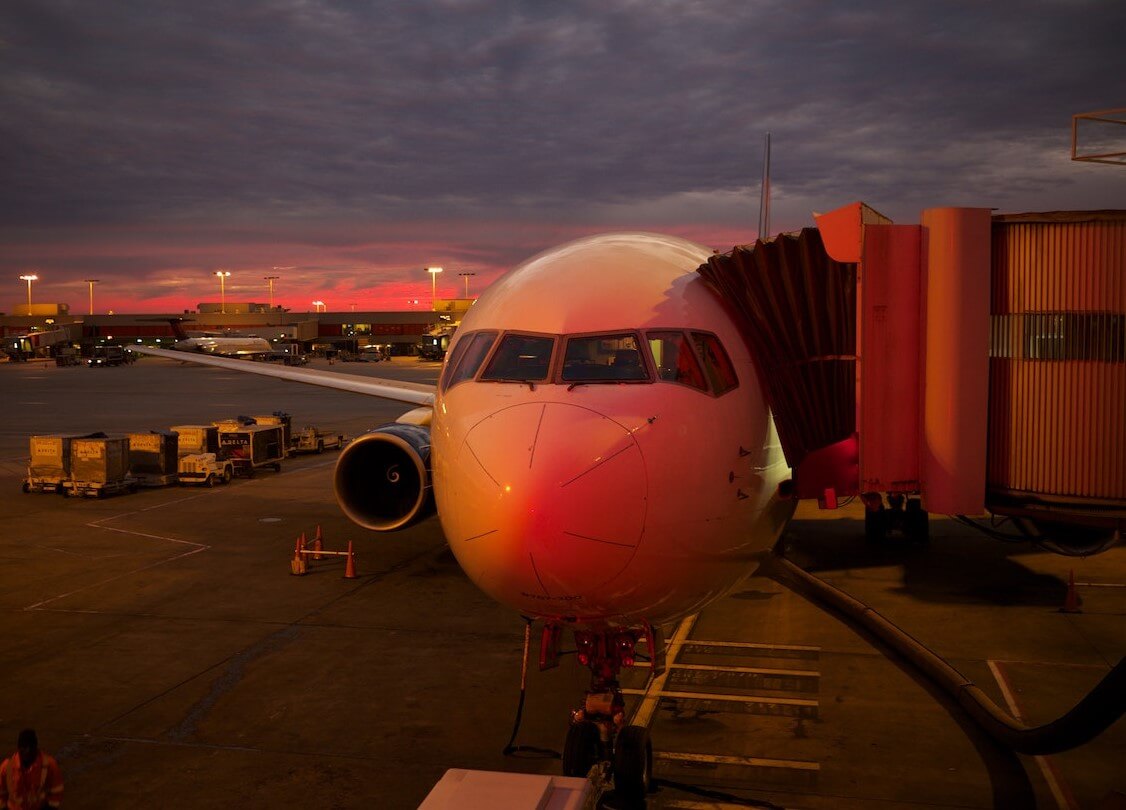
(976, 361)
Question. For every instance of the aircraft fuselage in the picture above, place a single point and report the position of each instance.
(592, 492)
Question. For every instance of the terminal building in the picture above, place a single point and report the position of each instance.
(45, 329)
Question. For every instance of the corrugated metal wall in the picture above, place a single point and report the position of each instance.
(1057, 408)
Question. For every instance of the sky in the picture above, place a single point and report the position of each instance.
(346, 146)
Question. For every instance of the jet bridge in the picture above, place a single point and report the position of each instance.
(976, 361)
(796, 307)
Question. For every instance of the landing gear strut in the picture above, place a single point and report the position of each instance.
(598, 732)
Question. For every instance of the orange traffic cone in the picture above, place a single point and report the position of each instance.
(297, 565)
(1072, 601)
(350, 567)
(318, 545)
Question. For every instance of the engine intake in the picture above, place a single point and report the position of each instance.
(382, 479)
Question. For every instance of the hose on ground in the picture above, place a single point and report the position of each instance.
(1092, 715)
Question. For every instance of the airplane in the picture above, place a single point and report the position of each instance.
(602, 460)
(224, 345)
(600, 456)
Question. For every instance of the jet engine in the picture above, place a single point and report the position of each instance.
(382, 479)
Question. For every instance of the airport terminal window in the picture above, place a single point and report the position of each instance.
(520, 358)
(717, 365)
(603, 358)
(467, 357)
(676, 362)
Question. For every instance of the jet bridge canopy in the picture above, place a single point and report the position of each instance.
(796, 309)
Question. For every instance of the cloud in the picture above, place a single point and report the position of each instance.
(154, 134)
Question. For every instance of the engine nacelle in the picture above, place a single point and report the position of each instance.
(382, 479)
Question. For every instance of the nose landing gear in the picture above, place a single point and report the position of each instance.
(598, 734)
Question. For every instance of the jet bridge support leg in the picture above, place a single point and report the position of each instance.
(901, 513)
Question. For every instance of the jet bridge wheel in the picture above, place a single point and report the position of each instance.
(876, 525)
(581, 748)
(916, 526)
(633, 764)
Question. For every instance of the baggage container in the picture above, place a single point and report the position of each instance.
(250, 447)
(49, 463)
(99, 466)
(278, 418)
(153, 457)
(193, 439)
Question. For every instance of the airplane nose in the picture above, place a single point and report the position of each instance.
(561, 495)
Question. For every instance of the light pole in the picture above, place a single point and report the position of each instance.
(466, 277)
(319, 306)
(270, 280)
(433, 271)
(29, 278)
(91, 282)
(223, 275)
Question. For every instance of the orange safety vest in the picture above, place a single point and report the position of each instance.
(32, 787)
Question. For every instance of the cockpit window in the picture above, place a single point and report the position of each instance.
(717, 365)
(603, 358)
(676, 362)
(521, 358)
(466, 358)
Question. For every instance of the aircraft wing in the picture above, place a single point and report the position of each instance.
(412, 393)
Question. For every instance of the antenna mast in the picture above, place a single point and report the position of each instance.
(764, 199)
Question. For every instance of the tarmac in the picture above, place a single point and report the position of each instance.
(166, 655)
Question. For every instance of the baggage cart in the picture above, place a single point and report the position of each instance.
(99, 467)
(251, 447)
(49, 464)
(314, 440)
(278, 418)
(153, 457)
(193, 439)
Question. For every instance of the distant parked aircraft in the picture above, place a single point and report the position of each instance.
(222, 344)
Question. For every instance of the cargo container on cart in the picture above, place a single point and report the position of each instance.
(99, 466)
(49, 463)
(153, 457)
(251, 447)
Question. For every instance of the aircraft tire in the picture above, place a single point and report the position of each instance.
(580, 749)
(633, 764)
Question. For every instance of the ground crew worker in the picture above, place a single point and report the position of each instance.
(30, 779)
